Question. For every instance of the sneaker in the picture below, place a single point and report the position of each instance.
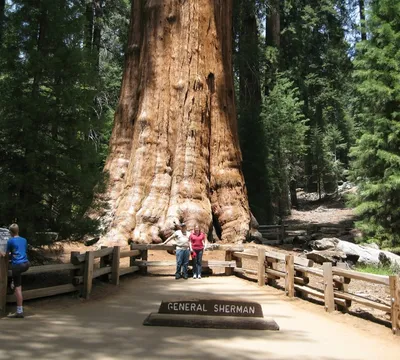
(177, 277)
(194, 276)
(185, 277)
(16, 316)
(199, 277)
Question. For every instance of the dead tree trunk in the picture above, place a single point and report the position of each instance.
(174, 151)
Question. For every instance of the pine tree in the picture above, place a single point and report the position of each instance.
(314, 54)
(48, 163)
(376, 163)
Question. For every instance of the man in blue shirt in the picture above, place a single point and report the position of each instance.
(17, 247)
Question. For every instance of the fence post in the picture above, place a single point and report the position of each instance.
(3, 283)
(104, 261)
(228, 257)
(239, 263)
(261, 267)
(132, 258)
(88, 275)
(143, 269)
(328, 287)
(343, 285)
(74, 272)
(115, 265)
(289, 279)
(395, 303)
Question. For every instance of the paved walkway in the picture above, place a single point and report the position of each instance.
(111, 328)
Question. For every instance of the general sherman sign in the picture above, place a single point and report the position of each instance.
(211, 307)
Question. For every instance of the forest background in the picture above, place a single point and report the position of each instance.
(317, 91)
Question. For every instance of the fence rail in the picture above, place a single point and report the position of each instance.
(269, 266)
(335, 280)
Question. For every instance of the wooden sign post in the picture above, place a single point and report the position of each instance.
(217, 314)
(3, 284)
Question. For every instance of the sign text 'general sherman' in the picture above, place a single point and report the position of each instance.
(211, 307)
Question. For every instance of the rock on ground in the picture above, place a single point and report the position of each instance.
(366, 254)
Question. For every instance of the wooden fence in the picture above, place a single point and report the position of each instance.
(268, 267)
(336, 281)
(279, 234)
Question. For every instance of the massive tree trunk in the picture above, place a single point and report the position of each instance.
(174, 151)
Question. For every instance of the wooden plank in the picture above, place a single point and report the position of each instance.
(268, 227)
(129, 253)
(244, 255)
(76, 260)
(152, 247)
(395, 302)
(276, 274)
(104, 261)
(49, 268)
(73, 272)
(115, 265)
(317, 293)
(289, 279)
(261, 267)
(271, 265)
(229, 258)
(101, 271)
(3, 283)
(245, 271)
(310, 291)
(328, 287)
(144, 255)
(301, 280)
(377, 279)
(363, 301)
(297, 260)
(102, 252)
(205, 263)
(225, 247)
(88, 275)
(128, 270)
(305, 270)
(133, 258)
(44, 292)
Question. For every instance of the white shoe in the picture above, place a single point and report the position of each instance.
(194, 277)
(199, 277)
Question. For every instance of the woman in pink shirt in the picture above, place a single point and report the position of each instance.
(197, 244)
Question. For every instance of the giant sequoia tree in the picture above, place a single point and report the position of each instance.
(174, 150)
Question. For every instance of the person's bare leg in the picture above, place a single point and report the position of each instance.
(18, 295)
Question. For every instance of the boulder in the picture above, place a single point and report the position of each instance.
(364, 254)
(326, 256)
(372, 246)
(325, 244)
(256, 236)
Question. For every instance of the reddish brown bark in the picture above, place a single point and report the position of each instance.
(174, 151)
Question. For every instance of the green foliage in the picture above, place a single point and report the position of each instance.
(314, 54)
(55, 115)
(285, 125)
(376, 156)
(378, 270)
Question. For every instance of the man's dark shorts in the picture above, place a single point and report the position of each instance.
(17, 270)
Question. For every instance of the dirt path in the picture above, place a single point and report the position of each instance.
(109, 326)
